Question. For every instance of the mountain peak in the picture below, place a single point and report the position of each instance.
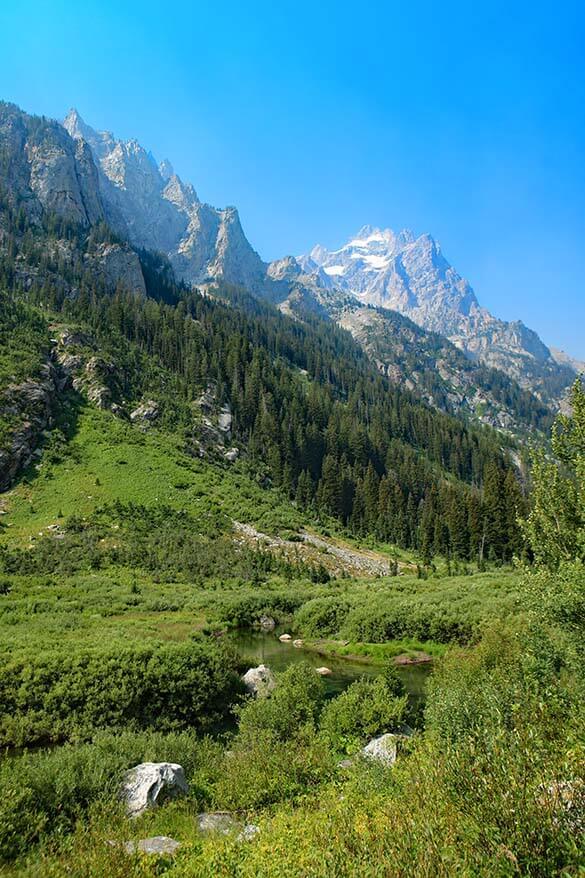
(75, 125)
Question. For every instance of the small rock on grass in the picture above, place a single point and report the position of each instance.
(222, 823)
(161, 845)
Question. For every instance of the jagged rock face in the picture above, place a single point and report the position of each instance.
(43, 169)
(118, 265)
(47, 170)
(149, 204)
(29, 405)
(410, 275)
(404, 273)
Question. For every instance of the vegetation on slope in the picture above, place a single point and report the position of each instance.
(118, 571)
(493, 785)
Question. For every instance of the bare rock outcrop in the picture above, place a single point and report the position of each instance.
(147, 784)
(119, 266)
(29, 407)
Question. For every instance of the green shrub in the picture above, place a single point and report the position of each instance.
(367, 708)
(261, 769)
(243, 610)
(46, 792)
(66, 696)
(322, 617)
(376, 621)
(294, 703)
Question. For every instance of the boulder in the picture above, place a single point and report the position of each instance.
(298, 643)
(285, 638)
(148, 783)
(158, 844)
(267, 623)
(259, 681)
(324, 672)
(217, 822)
(231, 455)
(382, 749)
(224, 419)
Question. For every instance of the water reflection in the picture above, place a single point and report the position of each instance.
(261, 647)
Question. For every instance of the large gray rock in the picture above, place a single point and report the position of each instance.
(383, 749)
(147, 784)
(28, 407)
(259, 681)
(219, 822)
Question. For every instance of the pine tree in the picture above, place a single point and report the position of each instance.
(555, 527)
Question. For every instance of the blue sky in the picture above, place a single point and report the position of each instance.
(464, 119)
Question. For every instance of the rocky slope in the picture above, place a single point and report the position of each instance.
(426, 363)
(96, 182)
(152, 207)
(27, 410)
(47, 180)
(410, 275)
(148, 203)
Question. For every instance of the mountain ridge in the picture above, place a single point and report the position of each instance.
(148, 206)
(401, 271)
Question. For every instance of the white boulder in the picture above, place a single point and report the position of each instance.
(148, 782)
(382, 749)
(259, 681)
(222, 823)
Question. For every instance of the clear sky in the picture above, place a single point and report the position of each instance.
(463, 119)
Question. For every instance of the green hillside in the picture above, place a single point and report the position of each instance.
(185, 473)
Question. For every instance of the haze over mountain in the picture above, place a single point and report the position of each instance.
(410, 274)
(155, 209)
(415, 317)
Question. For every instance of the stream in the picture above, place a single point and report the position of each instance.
(264, 647)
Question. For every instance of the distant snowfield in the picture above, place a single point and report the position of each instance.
(334, 270)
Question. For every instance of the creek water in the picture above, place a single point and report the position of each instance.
(264, 647)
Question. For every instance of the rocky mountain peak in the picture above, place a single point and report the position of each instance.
(286, 268)
(150, 205)
(45, 170)
(410, 274)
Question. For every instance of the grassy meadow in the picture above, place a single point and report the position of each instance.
(120, 574)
